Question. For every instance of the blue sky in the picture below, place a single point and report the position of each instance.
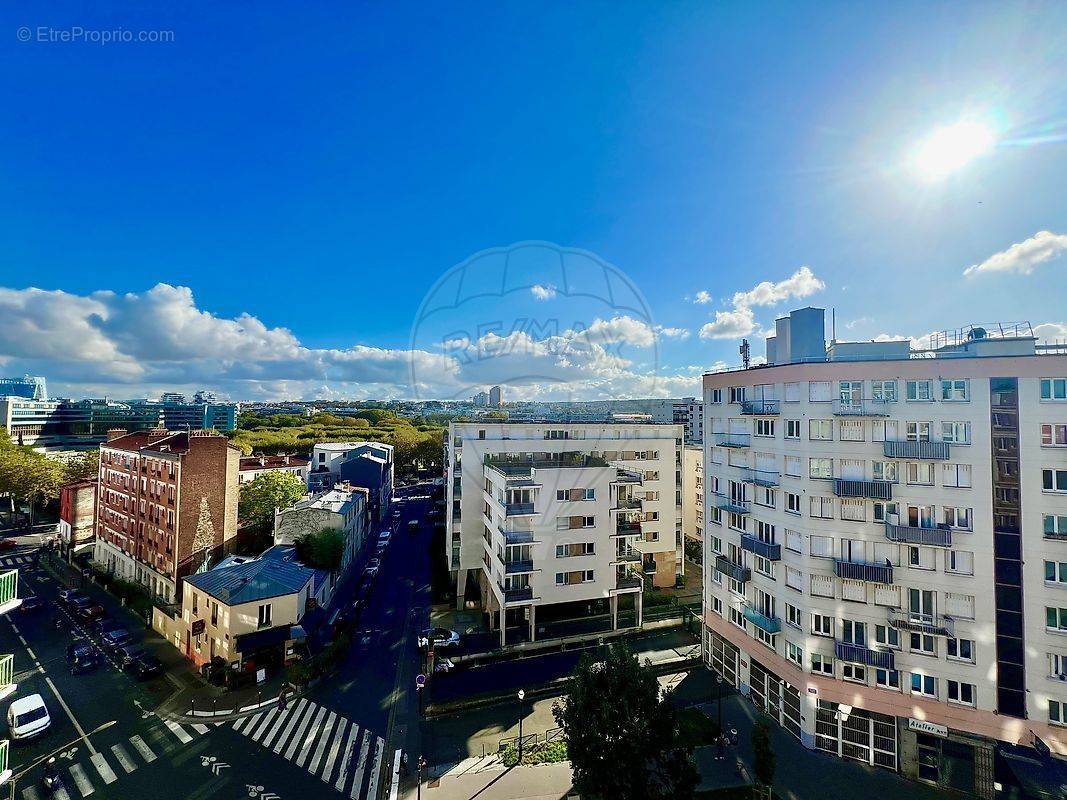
(301, 176)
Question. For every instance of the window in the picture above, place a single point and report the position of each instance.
(962, 693)
(795, 654)
(794, 616)
(792, 429)
(265, 615)
(1054, 435)
(960, 650)
(853, 510)
(1055, 712)
(821, 429)
(822, 665)
(957, 476)
(822, 625)
(884, 471)
(960, 562)
(922, 644)
(1057, 666)
(920, 474)
(792, 503)
(575, 577)
(1054, 388)
(792, 466)
(822, 507)
(792, 541)
(763, 566)
(884, 390)
(576, 549)
(1055, 526)
(959, 605)
(821, 546)
(850, 430)
(765, 427)
(918, 390)
(887, 679)
(794, 578)
(792, 392)
(925, 685)
(716, 396)
(917, 431)
(958, 518)
(854, 632)
(716, 604)
(737, 394)
(1056, 573)
(955, 390)
(766, 497)
(820, 468)
(884, 511)
(820, 392)
(1054, 480)
(956, 432)
(887, 636)
(854, 673)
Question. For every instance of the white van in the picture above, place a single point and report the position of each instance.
(28, 717)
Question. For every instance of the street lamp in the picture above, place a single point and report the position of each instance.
(85, 738)
(522, 696)
(421, 766)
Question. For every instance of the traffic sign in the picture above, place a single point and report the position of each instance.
(420, 680)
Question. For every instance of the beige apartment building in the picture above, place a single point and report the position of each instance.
(560, 521)
(886, 547)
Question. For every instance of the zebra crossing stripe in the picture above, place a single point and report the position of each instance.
(30, 793)
(301, 708)
(81, 780)
(143, 749)
(61, 794)
(267, 720)
(178, 731)
(357, 782)
(346, 758)
(335, 748)
(305, 749)
(250, 721)
(321, 747)
(123, 758)
(103, 768)
(282, 718)
(201, 729)
(314, 711)
(375, 769)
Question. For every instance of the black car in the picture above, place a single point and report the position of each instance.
(146, 667)
(91, 612)
(130, 653)
(76, 600)
(82, 657)
(112, 640)
(106, 625)
(31, 603)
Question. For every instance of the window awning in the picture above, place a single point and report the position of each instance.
(250, 642)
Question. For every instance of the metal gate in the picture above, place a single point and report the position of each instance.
(773, 696)
(860, 735)
(722, 656)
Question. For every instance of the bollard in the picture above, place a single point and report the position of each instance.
(192, 706)
(214, 705)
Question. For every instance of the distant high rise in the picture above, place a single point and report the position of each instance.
(172, 399)
(28, 386)
(205, 396)
(496, 396)
(481, 399)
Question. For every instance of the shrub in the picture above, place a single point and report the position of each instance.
(540, 753)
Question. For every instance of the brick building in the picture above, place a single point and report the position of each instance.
(77, 514)
(156, 489)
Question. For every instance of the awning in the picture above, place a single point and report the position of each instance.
(250, 642)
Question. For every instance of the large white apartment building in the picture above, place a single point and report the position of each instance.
(886, 547)
(560, 521)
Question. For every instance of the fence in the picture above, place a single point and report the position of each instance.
(552, 735)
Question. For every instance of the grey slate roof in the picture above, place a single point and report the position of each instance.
(234, 582)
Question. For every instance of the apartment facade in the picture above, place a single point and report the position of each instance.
(692, 501)
(555, 521)
(885, 548)
(252, 467)
(156, 490)
(343, 508)
(77, 515)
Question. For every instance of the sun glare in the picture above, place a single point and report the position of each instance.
(949, 148)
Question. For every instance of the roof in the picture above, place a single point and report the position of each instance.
(337, 500)
(249, 463)
(24, 704)
(154, 440)
(235, 580)
(85, 483)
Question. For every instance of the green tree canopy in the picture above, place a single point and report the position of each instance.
(323, 549)
(82, 466)
(267, 492)
(621, 737)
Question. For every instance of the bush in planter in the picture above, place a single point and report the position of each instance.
(300, 673)
(540, 753)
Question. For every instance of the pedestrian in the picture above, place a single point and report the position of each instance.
(281, 699)
(404, 764)
(721, 753)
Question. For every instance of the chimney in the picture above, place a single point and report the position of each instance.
(286, 460)
(263, 461)
(158, 432)
(115, 433)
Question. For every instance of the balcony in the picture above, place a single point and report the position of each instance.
(930, 624)
(627, 504)
(517, 468)
(518, 537)
(519, 509)
(517, 567)
(628, 583)
(925, 451)
(864, 571)
(730, 569)
(759, 408)
(858, 654)
(861, 408)
(761, 477)
(523, 595)
(772, 552)
(762, 621)
(876, 490)
(627, 476)
(628, 556)
(937, 536)
(732, 505)
(733, 439)
(627, 529)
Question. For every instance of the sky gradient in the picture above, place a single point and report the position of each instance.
(266, 204)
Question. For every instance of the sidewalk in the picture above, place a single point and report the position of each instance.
(545, 782)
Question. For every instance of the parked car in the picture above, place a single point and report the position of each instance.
(28, 717)
(90, 612)
(441, 637)
(8, 544)
(68, 596)
(106, 624)
(146, 667)
(31, 603)
(129, 653)
(112, 640)
(413, 526)
(442, 665)
(82, 657)
(372, 567)
(80, 601)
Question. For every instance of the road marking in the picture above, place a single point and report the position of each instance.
(143, 749)
(335, 748)
(30, 793)
(357, 782)
(103, 768)
(346, 759)
(314, 712)
(264, 725)
(61, 794)
(398, 758)
(302, 710)
(123, 758)
(321, 747)
(201, 729)
(316, 726)
(250, 720)
(81, 780)
(70, 714)
(178, 731)
(282, 718)
(375, 769)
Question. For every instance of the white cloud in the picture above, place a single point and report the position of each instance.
(1051, 331)
(801, 283)
(729, 324)
(543, 292)
(1022, 257)
(702, 298)
(673, 333)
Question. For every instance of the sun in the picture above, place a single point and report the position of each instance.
(952, 147)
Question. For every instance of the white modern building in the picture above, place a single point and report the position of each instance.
(561, 521)
(693, 500)
(685, 411)
(343, 508)
(886, 547)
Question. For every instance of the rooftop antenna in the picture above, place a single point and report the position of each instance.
(833, 324)
(745, 353)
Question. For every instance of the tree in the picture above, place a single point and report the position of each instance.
(84, 465)
(763, 757)
(267, 492)
(324, 549)
(621, 737)
(29, 476)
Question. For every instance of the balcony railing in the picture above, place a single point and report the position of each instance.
(876, 490)
(861, 408)
(864, 571)
(628, 583)
(518, 595)
(628, 476)
(629, 556)
(858, 654)
(732, 505)
(929, 451)
(519, 509)
(767, 478)
(627, 504)
(518, 566)
(518, 537)
(938, 536)
(759, 407)
(628, 529)
(930, 624)
(772, 552)
(761, 620)
(729, 568)
(733, 439)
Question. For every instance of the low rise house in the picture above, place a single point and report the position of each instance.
(366, 464)
(254, 466)
(343, 508)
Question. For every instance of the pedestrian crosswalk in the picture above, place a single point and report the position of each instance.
(16, 561)
(342, 753)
